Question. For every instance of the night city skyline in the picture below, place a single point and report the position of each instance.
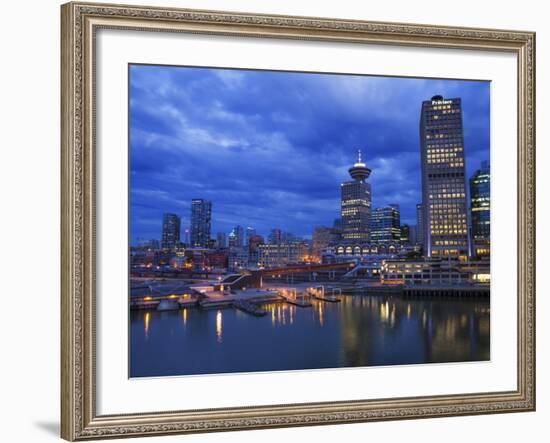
(270, 149)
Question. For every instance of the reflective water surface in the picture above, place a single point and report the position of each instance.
(359, 331)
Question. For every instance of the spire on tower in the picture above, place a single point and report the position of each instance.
(359, 162)
(359, 171)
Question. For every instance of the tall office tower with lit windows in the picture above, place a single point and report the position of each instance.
(445, 209)
(480, 205)
(201, 221)
(356, 203)
(171, 225)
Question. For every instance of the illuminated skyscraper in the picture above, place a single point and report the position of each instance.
(480, 204)
(236, 237)
(385, 224)
(201, 219)
(171, 224)
(443, 178)
(356, 203)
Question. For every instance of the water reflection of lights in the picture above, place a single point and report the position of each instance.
(281, 313)
(321, 318)
(147, 318)
(185, 317)
(408, 310)
(384, 312)
(219, 326)
(450, 328)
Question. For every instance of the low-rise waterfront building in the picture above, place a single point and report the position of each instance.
(435, 272)
(322, 237)
(345, 251)
(237, 259)
(277, 255)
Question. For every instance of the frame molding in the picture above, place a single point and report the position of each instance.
(79, 22)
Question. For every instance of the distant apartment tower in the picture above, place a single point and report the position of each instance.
(385, 224)
(405, 237)
(221, 240)
(321, 238)
(356, 203)
(250, 232)
(480, 204)
(171, 225)
(445, 209)
(201, 220)
(413, 235)
(186, 236)
(275, 236)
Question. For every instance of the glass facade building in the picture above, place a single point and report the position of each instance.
(385, 225)
(356, 204)
(445, 209)
(201, 221)
(171, 225)
(236, 237)
(480, 206)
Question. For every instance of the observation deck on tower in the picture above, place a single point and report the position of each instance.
(359, 171)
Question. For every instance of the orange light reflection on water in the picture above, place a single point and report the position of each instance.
(219, 326)
(147, 318)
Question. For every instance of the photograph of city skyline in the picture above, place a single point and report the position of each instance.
(291, 220)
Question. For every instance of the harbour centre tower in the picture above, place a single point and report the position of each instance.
(356, 203)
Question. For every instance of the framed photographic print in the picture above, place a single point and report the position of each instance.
(281, 221)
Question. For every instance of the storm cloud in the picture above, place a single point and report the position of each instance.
(270, 149)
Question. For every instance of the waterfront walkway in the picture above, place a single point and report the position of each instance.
(164, 295)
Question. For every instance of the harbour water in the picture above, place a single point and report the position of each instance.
(362, 330)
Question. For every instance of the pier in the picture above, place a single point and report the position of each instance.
(291, 296)
(320, 293)
(174, 295)
(445, 291)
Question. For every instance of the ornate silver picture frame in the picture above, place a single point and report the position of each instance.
(80, 23)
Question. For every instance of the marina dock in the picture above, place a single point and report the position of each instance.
(326, 294)
(302, 302)
(157, 295)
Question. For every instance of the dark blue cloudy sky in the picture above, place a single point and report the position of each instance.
(270, 149)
